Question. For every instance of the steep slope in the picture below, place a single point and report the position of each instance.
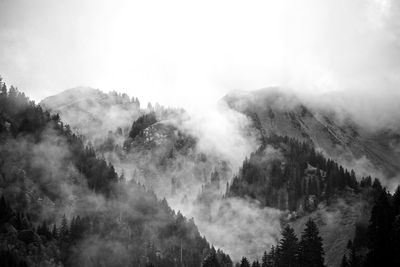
(161, 155)
(290, 175)
(48, 177)
(349, 143)
(160, 151)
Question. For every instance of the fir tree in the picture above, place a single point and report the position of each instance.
(311, 252)
(396, 241)
(396, 201)
(64, 230)
(244, 262)
(344, 262)
(288, 248)
(379, 233)
(264, 260)
(211, 260)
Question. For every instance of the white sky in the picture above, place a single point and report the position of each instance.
(188, 53)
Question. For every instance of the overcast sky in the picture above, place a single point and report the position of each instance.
(191, 52)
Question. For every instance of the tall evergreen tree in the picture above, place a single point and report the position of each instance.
(244, 262)
(288, 248)
(396, 201)
(344, 262)
(396, 241)
(311, 252)
(211, 260)
(264, 260)
(379, 233)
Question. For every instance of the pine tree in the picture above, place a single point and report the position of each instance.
(311, 252)
(396, 201)
(211, 260)
(288, 248)
(244, 262)
(344, 262)
(379, 233)
(54, 232)
(396, 241)
(64, 230)
(264, 260)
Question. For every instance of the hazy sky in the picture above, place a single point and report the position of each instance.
(191, 52)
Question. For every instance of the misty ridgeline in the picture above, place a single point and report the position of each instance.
(94, 179)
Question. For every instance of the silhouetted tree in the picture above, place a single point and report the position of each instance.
(288, 248)
(379, 233)
(311, 252)
(244, 262)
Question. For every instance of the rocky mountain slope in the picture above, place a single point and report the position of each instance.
(289, 174)
(344, 140)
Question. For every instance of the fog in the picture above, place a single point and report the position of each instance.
(335, 53)
(188, 54)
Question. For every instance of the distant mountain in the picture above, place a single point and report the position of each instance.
(274, 111)
(92, 112)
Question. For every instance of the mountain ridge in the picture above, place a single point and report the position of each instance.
(274, 111)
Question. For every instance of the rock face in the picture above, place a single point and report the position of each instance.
(344, 140)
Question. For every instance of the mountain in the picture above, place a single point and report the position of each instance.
(63, 205)
(156, 149)
(163, 156)
(293, 177)
(302, 168)
(298, 166)
(351, 144)
(93, 113)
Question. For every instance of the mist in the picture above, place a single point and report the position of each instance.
(188, 55)
(336, 56)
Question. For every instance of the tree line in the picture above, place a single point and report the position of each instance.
(289, 252)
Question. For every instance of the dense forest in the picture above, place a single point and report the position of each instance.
(291, 175)
(374, 244)
(61, 204)
(378, 244)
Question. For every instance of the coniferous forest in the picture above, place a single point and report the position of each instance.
(80, 212)
(199, 133)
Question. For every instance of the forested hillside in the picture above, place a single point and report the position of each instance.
(379, 242)
(291, 175)
(342, 138)
(62, 205)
